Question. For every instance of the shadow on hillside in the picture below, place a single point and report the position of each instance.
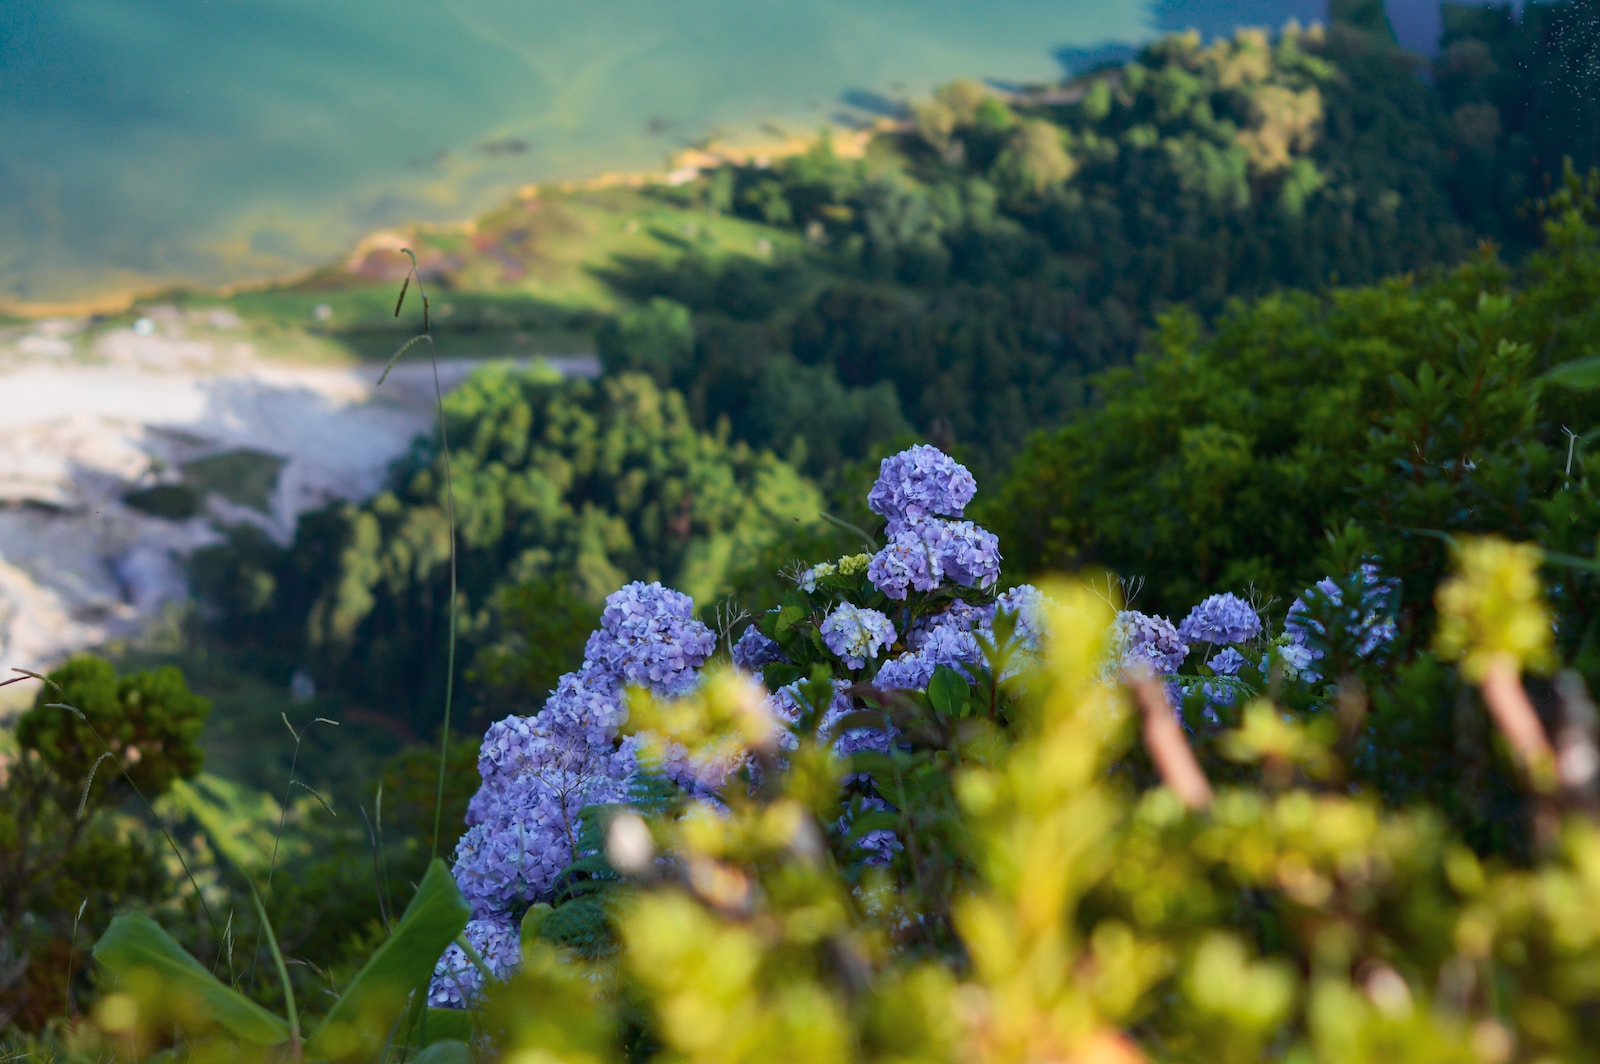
(737, 287)
(473, 325)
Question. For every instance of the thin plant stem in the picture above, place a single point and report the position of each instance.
(450, 515)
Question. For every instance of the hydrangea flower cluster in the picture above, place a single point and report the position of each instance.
(927, 553)
(1221, 619)
(1227, 662)
(856, 634)
(537, 777)
(960, 615)
(1025, 603)
(457, 981)
(648, 637)
(540, 772)
(1233, 630)
(1146, 642)
(945, 645)
(754, 650)
(918, 483)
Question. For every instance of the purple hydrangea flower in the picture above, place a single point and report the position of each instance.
(854, 740)
(1148, 642)
(959, 615)
(920, 482)
(877, 847)
(944, 644)
(970, 555)
(908, 672)
(457, 982)
(648, 637)
(524, 817)
(587, 702)
(856, 634)
(1295, 655)
(908, 562)
(925, 553)
(950, 646)
(1227, 662)
(1224, 618)
(1026, 603)
(754, 650)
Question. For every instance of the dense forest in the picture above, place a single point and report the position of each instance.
(1002, 248)
(987, 262)
(1222, 321)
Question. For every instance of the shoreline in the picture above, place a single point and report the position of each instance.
(683, 166)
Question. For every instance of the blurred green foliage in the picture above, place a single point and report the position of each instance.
(1283, 917)
(1307, 433)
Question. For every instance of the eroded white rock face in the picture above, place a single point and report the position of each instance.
(78, 566)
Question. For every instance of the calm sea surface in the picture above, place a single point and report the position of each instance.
(150, 141)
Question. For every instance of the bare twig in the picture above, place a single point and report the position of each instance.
(1514, 714)
(1168, 748)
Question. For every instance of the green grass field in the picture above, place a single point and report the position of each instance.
(534, 276)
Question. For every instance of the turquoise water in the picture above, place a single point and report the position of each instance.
(209, 141)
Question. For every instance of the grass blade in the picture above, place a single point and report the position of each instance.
(283, 972)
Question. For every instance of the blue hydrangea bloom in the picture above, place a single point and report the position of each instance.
(959, 615)
(926, 553)
(877, 847)
(951, 646)
(1147, 642)
(1220, 619)
(856, 634)
(1026, 603)
(969, 555)
(908, 672)
(854, 740)
(908, 562)
(945, 645)
(524, 816)
(1227, 662)
(1293, 654)
(457, 982)
(920, 482)
(648, 636)
(754, 650)
(588, 703)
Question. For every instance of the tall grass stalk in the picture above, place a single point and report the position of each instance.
(283, 818)
(450, 515)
